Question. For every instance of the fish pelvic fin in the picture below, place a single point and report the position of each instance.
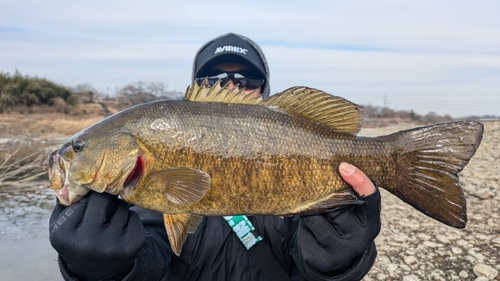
(216, 93)
(331, 111)
(178, 226)
(427, 166)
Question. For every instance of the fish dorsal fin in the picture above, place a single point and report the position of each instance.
(331, 111)
(178, 226)
(216, 93)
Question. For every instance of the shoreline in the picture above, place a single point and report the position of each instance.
(411, 246)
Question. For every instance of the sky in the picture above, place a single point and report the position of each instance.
(426, 56)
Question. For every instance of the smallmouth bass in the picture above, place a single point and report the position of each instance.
(220, 152)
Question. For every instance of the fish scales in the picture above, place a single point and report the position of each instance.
(221, 152)
(248, 166)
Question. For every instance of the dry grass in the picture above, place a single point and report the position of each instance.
(20, 163)
(43, 125)
(25, 143)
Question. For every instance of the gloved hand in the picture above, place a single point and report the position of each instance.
(332, 242)
(98, 237)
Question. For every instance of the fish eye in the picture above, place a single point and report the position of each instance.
(77, 145)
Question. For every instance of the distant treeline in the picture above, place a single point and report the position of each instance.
(377, 116)
(19, 90)
(26, 94)
(38, 95)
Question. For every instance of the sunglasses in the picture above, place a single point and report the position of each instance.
(237, 78)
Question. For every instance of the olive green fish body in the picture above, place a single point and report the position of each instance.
(220, 152)
(297, 163)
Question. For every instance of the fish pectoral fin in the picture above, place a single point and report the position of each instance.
(178, 227)
(335, 200)
(183, 185)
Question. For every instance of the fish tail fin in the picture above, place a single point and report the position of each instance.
(427, 168)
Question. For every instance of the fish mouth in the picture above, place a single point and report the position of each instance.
(63, 195)
(58, 179)
(133, 177)
(68, 196)
(53, 161)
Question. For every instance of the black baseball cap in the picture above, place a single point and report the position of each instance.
(232, 47)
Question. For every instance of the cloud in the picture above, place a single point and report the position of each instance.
(416, 54)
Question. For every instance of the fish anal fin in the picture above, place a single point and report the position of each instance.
(216, 93)
(334, 112)
(178, 226)
(337, 199)
(182, 185)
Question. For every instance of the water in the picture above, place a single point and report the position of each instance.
(25, 250)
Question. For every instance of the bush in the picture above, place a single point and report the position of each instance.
(18, 90)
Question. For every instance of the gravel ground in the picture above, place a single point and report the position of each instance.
(411, 246)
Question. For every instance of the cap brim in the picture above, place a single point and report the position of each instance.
(223, 58)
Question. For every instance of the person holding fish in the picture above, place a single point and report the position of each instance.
(102, 238)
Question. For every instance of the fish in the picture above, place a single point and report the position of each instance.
(220, 152)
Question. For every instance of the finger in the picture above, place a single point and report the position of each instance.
(347, 221)
(373, 207)
(67, 219)
(133, 220)
(315, 251)
(321, 229)
(118, 220)
(357, 179)
(58, 209)
(97, 210)
(135, 231)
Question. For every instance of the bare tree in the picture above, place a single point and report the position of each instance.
(141, 91)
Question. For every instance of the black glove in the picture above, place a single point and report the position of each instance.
(98, 238)
(332, 242)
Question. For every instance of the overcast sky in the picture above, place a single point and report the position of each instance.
(429, 56)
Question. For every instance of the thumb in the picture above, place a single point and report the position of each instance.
(357, 179)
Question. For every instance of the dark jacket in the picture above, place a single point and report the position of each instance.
(214, 252)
